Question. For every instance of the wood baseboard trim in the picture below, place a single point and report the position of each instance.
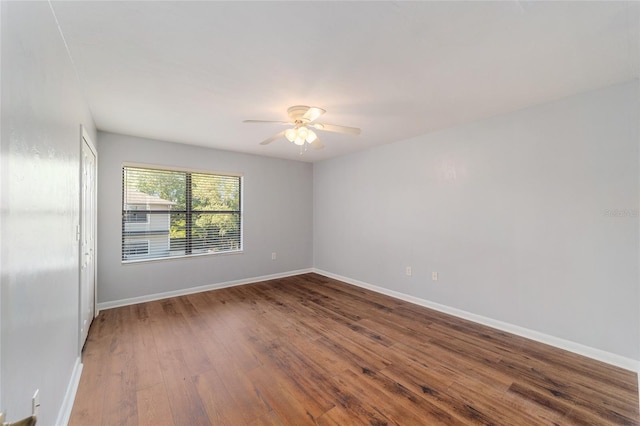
(597, 354)
(192, 290)
(70, 395)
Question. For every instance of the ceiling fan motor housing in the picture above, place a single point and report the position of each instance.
(297, 112)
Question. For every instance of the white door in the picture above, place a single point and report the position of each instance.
(88, 215)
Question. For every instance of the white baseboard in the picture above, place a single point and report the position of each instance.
(597, 354)
(192, 290)
(70, 395)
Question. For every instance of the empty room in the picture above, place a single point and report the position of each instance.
(331, 213)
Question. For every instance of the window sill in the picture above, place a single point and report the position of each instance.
(191, 256)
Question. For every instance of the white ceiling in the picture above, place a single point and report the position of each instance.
(190, 72)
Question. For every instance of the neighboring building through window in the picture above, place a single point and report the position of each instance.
(135, 249)
(136, 216)
(179, 213)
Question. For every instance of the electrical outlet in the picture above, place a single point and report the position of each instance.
(35, 403)
(273, 256)
(408, 271)
(434, 276)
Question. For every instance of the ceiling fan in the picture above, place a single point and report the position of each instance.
(303, 119)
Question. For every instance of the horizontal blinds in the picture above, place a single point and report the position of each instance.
(169, 213)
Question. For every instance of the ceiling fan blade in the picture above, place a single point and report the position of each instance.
(312, 114)
(317, 144)
(335, 128)
(272, 138)
(267, 121)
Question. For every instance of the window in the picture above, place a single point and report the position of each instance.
(136, 216)
(179, 213)
(135, 249)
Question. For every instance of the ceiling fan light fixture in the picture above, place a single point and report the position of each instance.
(299, 141)
(303, 132)
(291, 135)
(311, 136)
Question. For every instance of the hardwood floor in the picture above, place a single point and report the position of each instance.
(312, 350)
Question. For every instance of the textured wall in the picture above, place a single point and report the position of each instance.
(42, 110)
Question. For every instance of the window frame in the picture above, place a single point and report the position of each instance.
(163, 168)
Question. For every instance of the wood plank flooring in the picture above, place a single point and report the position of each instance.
(312, 350)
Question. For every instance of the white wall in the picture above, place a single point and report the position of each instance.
(42, 110)
(512, 212)
(278, 217)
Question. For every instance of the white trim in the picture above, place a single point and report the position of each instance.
(2, 318)
(178, 169)
(182, 256)
(597, 354)
(192, 290)
(70, 395)
(85, 139)
(85, 135)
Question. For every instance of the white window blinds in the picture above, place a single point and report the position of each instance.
(179, 213)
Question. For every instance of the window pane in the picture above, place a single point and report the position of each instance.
(136, 249)
(147, 186)
(136, 217)
(215, 193)
(177, 234)
(210, 233)
(215, 232)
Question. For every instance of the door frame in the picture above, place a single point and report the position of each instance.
(85, 138)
